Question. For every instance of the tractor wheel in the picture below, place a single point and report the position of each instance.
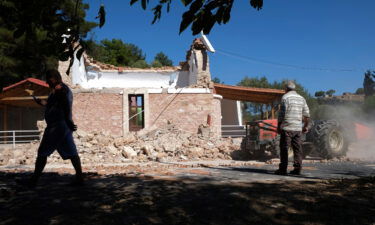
(329, 139)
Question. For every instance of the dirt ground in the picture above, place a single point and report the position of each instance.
(116, 195)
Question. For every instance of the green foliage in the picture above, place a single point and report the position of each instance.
(140, 64)
(202, 15)
(369, 83)
(116, 52)
(217, 80)
(30, 35)
(163, 59)
(360, 91)
(325, 112)
(318, 110)
(344, 112)
(255, 82)
(101, 16)
(330, 92)
(257, 110)
(369, 105)
(156, 64)
(320, 94)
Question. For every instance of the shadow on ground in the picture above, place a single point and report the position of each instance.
(119, 199)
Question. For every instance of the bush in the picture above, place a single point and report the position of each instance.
(140, 64)
(369, 105)
(156, 63)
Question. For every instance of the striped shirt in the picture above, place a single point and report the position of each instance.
(293, 108)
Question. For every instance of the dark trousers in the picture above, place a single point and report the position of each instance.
(291, 139)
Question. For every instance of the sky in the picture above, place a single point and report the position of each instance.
(321, 44)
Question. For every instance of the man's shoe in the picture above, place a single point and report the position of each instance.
(280, 172)
(295, 172)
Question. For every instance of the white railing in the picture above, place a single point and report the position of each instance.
(18, 136)
(233, 131)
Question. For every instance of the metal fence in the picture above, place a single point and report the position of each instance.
(18, 136)
(233, 131)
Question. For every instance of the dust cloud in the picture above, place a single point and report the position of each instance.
(363, 147)
(358, 126)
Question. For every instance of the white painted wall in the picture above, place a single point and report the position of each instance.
(130, 80)
(193, 68)
(78, 71)
(87, 78)
(239, 113)
(183, 79)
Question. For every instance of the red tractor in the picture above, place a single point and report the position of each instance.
(327, 138)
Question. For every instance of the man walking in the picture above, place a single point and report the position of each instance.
(60, 126)
(293, 120)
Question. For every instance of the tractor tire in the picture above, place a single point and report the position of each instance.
(330, 140)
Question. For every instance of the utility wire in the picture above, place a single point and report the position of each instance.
(252, 59)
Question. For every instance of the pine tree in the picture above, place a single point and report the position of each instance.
(30, 35)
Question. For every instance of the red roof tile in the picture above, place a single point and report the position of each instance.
(32, 80)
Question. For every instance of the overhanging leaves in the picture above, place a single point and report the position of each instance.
(202, 14)
(256, 4)
(157, 13)
(186, 2)
(101, 16)
(31, 35)
(18, 33)
(187, 19)
(144, 4)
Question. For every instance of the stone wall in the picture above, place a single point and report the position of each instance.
(216, 115)
(63, 68)
(104, 112)
(199, 65)
(97, 112)
(186, 111)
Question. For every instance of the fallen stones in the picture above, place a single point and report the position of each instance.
(147, 150)
(195, 152)
(128, 152)
(168, 147)
(127, 139)
(87, 145)
(18, 153)
(81, 134)
(112, 150)
(204, 131)
(163, 144)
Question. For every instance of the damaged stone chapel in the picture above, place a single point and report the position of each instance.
(129, 113)
(120, 100)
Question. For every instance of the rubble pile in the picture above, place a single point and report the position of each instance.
(163, 145)
(21, 155)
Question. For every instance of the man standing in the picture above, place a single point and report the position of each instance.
(293, 120)
(58, 134)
